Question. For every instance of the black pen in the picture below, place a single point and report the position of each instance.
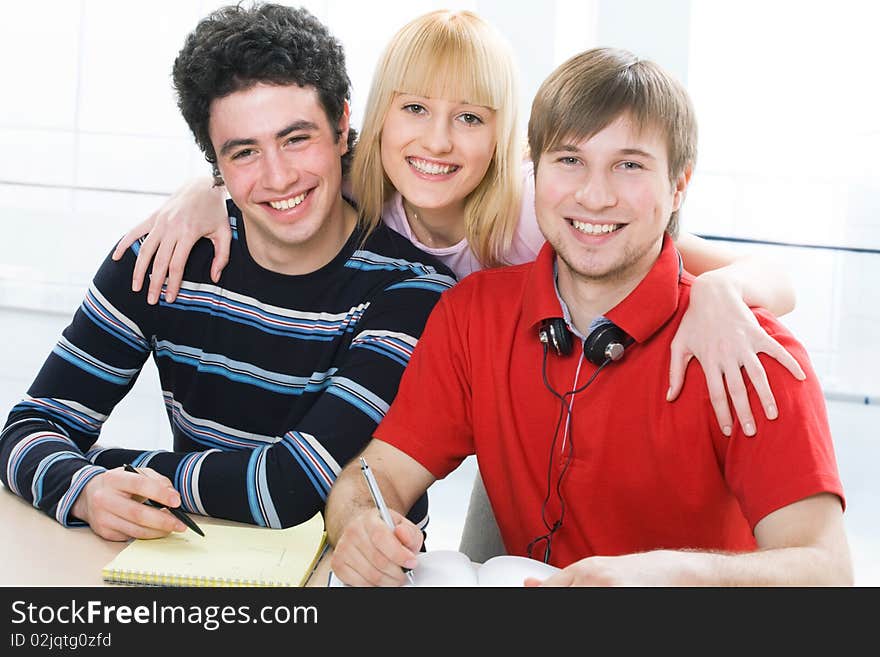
(176, 512)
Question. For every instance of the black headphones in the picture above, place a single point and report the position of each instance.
(605, 344)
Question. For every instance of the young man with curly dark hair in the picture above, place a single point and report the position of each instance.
(273, 376)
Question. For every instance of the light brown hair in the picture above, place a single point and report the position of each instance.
(591, 90)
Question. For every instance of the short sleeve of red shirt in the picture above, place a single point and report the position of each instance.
(430, 418)
(792, 457)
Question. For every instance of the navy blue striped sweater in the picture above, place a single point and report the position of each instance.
(272, 383)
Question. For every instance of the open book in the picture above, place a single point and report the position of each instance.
(238, 555)
(452, 568)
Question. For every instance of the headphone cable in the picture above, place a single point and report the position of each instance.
(551, 529)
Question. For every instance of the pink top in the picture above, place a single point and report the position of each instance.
(527, 238)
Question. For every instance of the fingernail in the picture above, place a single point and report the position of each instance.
(772, 412)
(726, 430)
(669, 394)
(749, 429)
(151, 299)
(180, 527)
(411, 563)
(135, 287)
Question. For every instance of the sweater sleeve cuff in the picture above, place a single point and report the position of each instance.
(77, 482)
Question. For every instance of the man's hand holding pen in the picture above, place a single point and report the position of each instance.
(112, 504)
(369, 553)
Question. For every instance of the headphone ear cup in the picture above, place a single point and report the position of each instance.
(555, 333)
(607, 341)
(560, 336)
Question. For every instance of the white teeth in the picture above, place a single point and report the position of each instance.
(431, 167)
(288, 203)
(595, 229)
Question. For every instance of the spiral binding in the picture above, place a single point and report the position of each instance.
(140, 578)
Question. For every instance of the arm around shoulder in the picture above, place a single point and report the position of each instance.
(196, 210)
(757, 280)
(721, 332)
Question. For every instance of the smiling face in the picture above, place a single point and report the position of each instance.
(604, 202)
(436, 151)
(280, 159)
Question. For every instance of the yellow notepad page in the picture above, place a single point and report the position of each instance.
(225, 556)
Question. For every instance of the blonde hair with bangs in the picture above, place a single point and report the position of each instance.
(454, 55)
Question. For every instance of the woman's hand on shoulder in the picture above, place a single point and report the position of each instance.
(196, 210)
(723, 334)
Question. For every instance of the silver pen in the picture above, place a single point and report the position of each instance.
(373, 485)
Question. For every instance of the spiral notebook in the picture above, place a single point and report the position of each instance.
(239, 555)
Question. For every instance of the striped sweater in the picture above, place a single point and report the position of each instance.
(272, 383)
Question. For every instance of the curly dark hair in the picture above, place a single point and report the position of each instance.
(234, 48)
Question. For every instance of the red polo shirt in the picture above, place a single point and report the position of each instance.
(644, 473)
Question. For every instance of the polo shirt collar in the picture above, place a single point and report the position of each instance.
(647, 308)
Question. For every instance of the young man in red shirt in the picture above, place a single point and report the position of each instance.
(550, 373)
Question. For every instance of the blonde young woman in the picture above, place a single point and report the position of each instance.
(440, 160)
